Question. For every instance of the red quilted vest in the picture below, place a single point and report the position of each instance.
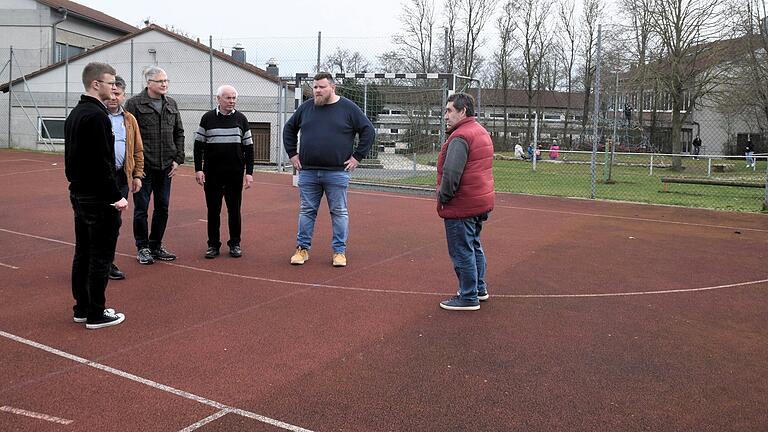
(475, 195)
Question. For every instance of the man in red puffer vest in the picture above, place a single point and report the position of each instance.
(465, 198)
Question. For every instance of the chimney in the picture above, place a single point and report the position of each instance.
(238, 53)
(272, 68)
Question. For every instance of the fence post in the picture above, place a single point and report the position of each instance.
(596, 113)
(66, 80)
(765, 200)
(535, 138)
(10, 94)
(650, 166)
(210, 66)
(132, 67)
(709, 167)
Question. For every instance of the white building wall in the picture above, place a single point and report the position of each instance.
(187, 67)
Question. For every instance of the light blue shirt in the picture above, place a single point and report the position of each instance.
(118, 128)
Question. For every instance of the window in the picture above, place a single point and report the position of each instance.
(497, 115)
(394, 131)
(517, 116)
(63, 51)
(54, 128)
(394, 112)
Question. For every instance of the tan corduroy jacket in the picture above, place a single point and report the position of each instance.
(134, 149)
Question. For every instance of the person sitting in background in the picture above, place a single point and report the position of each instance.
(553, 150)
(519, 152)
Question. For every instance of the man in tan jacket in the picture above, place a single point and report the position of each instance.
(129, 151)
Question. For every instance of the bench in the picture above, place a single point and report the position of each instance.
(722, 167)
(710, 181)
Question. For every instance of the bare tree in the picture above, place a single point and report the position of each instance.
(416, 42)
(476, 14)
(592, 13)
(530, 24)
(502, 59)
(640, 26)
(684, 27)
(344, 61)
(568, 43)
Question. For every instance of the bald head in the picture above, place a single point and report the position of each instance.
(226, 96)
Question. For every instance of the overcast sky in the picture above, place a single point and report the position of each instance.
(285, 30)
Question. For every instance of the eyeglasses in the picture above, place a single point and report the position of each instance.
(109, 83)
(165, 81)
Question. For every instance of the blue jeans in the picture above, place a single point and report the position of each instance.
(466, 252)
(312, 185)
(157, 182)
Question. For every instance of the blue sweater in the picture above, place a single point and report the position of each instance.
(328, 134)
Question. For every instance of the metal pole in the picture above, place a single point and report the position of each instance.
(280, 102)
(609, 161)
(596, 114)
(319, 44)
(10, 94)
(66, 82)
(709, 167)
(535, 138)
(132, 67)
(210, 66)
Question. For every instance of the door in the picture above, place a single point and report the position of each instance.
(262, 135)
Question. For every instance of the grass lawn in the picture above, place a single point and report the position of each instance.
(631, 180)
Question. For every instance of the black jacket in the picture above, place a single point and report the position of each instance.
(161, 133)
(89, 152)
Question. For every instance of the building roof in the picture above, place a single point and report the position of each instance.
(88, 14)
(152, 27)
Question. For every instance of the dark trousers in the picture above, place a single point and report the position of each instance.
(231, 189)
(122, 184)
(96, 228)
(157, 182)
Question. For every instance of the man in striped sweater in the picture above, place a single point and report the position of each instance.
(223, 151)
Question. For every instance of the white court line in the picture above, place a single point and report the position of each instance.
(9, 266)
(387, 291)
(35, 415)
(205, 421)
(154, 385)
(25, 160)
(31, 172)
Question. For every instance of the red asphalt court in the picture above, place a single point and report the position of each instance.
(603, 317)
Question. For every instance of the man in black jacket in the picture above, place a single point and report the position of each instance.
(89, 160)
(163, 137)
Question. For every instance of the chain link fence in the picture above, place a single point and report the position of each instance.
(634, 161)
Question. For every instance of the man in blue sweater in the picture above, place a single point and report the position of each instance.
(326, 157)
(223, 150)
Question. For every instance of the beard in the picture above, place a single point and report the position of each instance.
(321, 100)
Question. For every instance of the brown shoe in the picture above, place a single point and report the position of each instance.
(300, 257)
(339, 259)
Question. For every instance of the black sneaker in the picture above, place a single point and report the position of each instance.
(456, 303)
(211, 252)
(235, 252)
(483, 296)
(163, 254)
(109, 318)
(82, 317)
(115, 273)
(145, 256)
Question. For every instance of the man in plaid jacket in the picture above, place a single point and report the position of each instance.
(163, 136)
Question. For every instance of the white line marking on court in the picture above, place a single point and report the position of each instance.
(387, 291)
(205, 421)
(35, 415)
(153, 384)
(31, 172)
(25, 160)
(9, 266)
